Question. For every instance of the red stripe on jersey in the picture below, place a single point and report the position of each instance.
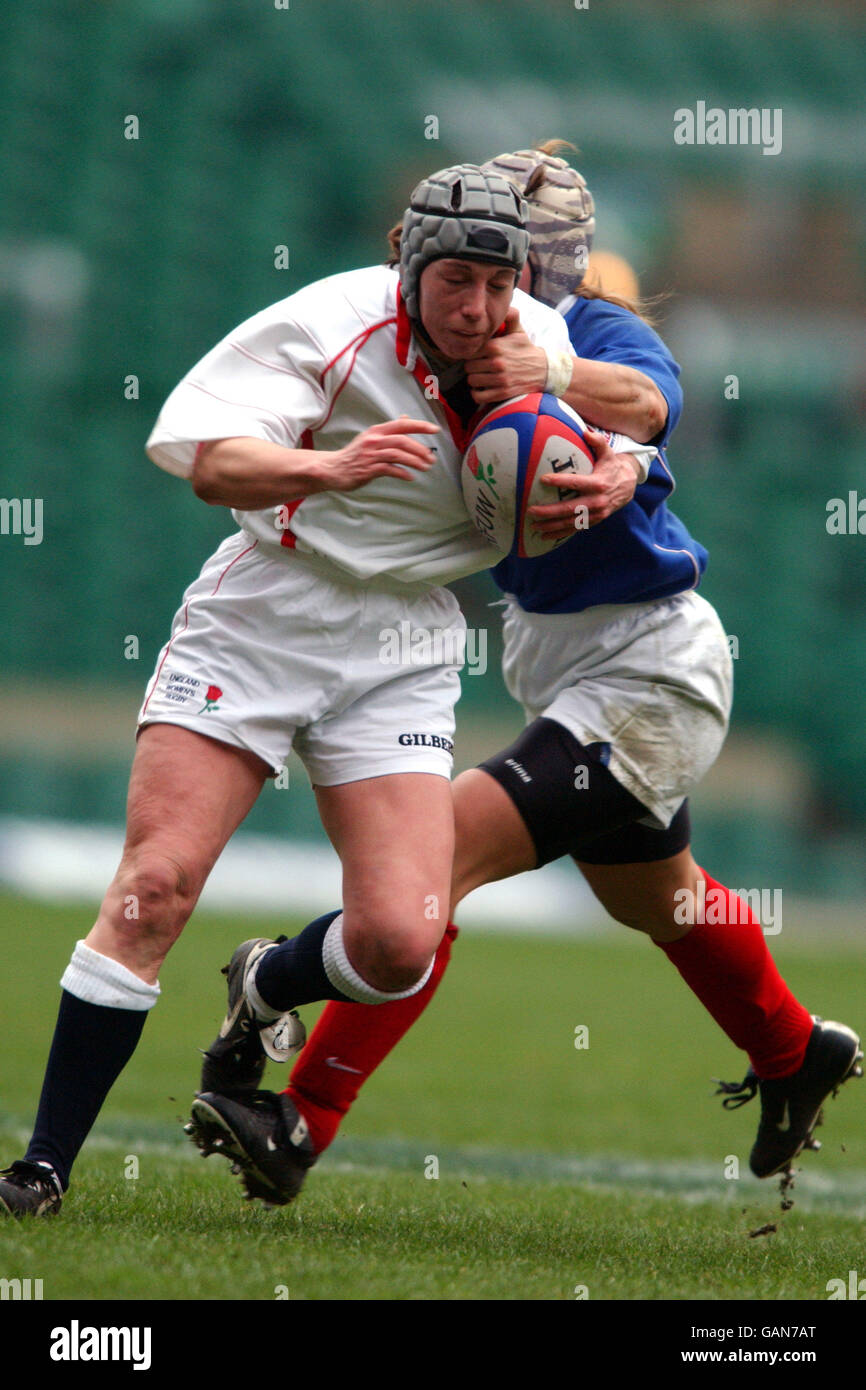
(423, 374)
(215, 590)
(459, 433)
(288, 537)
(263, 362)
(196, 386)
(359, 339)
(359, 343)
(404, 331)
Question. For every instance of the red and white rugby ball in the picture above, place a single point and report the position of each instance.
(514, 446)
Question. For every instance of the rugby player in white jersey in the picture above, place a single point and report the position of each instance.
(319, 424)
(625, 675)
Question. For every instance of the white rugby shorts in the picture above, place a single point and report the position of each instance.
(273, 652)
(652, 680)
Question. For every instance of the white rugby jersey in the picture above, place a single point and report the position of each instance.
(314, 370)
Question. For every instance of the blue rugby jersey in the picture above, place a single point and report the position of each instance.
(643, 551)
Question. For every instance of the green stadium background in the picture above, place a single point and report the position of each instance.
(261, 125)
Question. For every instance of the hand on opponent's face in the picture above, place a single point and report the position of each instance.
(508, 365)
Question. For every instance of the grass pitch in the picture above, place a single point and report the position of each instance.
(605, 1170)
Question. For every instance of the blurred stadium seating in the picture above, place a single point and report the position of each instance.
(305, 127)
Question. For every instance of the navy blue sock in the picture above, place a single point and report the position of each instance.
(293, 974)
(92, 1044)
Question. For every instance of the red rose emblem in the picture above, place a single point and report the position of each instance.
(210, 700)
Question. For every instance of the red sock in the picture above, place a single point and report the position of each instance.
(347, 1045)
(724, 960)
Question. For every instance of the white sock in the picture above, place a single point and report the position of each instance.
(98, 979)
(345, 978)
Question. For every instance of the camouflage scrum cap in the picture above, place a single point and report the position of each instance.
(464, 212)
(561, 220)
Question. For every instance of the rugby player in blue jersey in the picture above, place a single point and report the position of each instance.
(625, 675)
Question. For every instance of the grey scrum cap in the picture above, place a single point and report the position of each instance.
(464, 212)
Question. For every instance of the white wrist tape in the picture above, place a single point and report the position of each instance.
(641, 468)
(98, 979)
(641, 454)
(559, 368)
(345, 978)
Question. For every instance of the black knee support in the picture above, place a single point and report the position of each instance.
(572, 804)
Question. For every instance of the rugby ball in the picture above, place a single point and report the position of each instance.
(514, 446)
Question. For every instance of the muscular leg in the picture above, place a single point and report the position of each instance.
(187, 794)
(642, 895)
(724, 959)
(491, 842)
(491, 838)
(395, 838)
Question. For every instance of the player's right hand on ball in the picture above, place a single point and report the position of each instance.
(386, 450)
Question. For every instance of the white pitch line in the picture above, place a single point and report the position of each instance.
(688, 1181)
